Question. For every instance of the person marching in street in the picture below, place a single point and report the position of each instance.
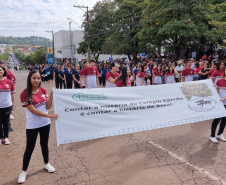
(36, 101)
(11, 77)
(7, 91)
(50, 75)
(61, 77)
(221, 88)
(68, 76)
(179, 68)
(170, 75)
(56, 76)
(188, 73)
(218, 74)
(140, 76)
(82, 84)
(90, 75)
(112, 75)
(157, 76)
(76, 77)
(123, 80)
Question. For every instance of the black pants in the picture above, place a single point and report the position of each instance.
(100, 80)
(31, 140)
(57, 81)
(4, 122)
(62, 82)
(104, 80)
(69, 85)
(215, 123)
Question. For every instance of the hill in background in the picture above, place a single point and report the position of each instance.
(33, 40)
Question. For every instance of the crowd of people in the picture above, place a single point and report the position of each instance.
(94, 74)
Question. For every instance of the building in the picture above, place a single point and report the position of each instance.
(62, 46)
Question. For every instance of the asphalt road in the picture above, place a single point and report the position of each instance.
(179, 155)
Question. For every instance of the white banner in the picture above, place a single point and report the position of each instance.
(86, 114)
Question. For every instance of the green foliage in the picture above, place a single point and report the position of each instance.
(38, 57)
(33, 40)
(134, 26)
(5, 56)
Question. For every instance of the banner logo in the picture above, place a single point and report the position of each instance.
(202, 104)
(88, 97)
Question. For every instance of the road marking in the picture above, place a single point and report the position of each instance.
(181, 159)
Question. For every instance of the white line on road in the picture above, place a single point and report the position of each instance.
(181, 159)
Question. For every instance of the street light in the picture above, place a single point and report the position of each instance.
(71, 40)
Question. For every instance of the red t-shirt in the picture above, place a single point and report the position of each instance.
(188, 74)
(109, 76)
(91, 74)
(10, 76)
(217, 74)
(210, 72)
(39, 102)
(6, 89)
(140, 75)
(120, 83)
(221, 84)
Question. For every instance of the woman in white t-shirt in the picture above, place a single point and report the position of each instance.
(157, 76)
(170, 75)
(36, 101)
(6, 102)
(221, 88)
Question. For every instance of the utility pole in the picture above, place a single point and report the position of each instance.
(72, 59)
(46, 51)
(87, 16)
(53, 49)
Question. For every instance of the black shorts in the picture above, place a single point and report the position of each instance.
(50, 77)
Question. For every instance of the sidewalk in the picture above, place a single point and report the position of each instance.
(179, 155)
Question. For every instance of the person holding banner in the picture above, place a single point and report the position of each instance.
(123, 80)
(218, 74)
(90, 75)
(36, 101)
(170, 75)
(221, 88)
(157, 76)
(140, 76)
(112, 75)
(188, 73)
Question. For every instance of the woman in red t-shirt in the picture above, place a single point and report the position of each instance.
(170, 75)
(123, 80)
(157, 76)
(6, 103)
(36, 101)
(221, 88)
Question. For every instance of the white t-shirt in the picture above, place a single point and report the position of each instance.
(39, 102)
(6, 89)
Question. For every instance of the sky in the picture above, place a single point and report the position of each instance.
(24, 18)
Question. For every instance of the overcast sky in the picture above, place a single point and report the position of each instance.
(22, 18)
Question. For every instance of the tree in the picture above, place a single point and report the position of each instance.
(176, 23)
(100, 19)
(126, 25)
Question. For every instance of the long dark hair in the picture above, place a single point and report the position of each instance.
(142, 67)
(29, 97)
(169, 69)
(123, 76)
(218, 66)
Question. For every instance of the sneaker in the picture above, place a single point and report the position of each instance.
(221, 137)
(213, 139)
(22, 177)
(6, 141)
(49, 168)
(0, 141)
(11, 116)
(10, 128)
